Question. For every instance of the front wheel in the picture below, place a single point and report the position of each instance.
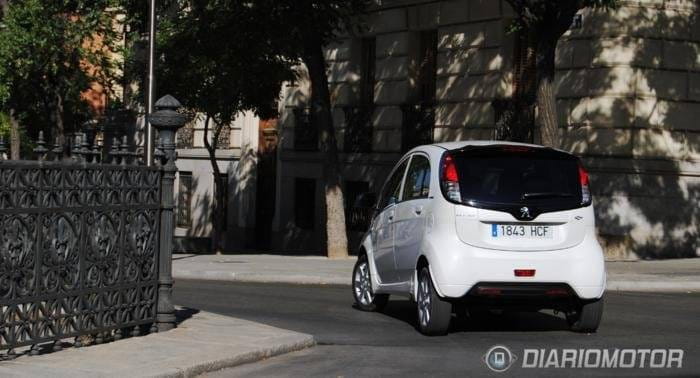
(365, 299)
(434, 314)
(586, 316)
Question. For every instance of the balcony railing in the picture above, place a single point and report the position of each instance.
(358, 128)
(418, 125)
(305, 131)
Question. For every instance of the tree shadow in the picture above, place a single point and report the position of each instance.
(471, 69)
(627, 99)
(182, 314)
(627, 106)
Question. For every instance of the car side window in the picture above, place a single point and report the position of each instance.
(417, 179)
(392, 189)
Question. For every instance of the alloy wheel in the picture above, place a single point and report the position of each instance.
(424, 301)
(362, 284)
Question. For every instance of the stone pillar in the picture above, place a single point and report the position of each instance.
(167, 121)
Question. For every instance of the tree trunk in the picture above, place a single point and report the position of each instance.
(15, 140)
(547, 123)
(218, 214)
(336, 236)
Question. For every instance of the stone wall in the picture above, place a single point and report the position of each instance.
(628, 102)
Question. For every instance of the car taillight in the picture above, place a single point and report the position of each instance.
(585, 188)
(450, 179)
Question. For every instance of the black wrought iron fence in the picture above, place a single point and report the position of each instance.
(359, 218)
(81, 241)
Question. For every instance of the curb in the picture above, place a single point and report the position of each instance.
(213, 275)
(241, 359)
(654, 286)
(612, 285)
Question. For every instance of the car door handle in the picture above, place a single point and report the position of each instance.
(418, 210)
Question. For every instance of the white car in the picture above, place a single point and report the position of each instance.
(484, 225)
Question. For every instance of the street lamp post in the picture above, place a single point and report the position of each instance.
(151, 80)
(167, 120)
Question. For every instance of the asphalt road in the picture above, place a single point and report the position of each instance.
(356, 343)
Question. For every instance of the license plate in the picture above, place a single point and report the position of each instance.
(518, 231)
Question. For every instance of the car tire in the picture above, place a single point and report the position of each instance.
(434, 314)
(362, 291)
(586, 317)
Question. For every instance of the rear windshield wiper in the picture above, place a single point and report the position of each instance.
(545, 195)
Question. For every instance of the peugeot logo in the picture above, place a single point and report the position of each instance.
(525, 213)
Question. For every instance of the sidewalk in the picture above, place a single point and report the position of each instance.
(662, 275)
(203, 343)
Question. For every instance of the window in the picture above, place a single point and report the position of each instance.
(368, 70)
(193, 134)
(356, 219)
(497, 175)
(417, 179)
(428, 66)
(305, 203)
(392, 189)
(184, 200)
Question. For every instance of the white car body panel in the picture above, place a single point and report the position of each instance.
(443, 233)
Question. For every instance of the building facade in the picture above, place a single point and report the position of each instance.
(242, 152)
(628, 97)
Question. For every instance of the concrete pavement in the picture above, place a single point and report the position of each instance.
(679, 275)
(353, 343)
(203, 343)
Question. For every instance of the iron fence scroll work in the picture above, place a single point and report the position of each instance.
(79, 244)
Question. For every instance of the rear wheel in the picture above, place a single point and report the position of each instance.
(434, 314)
(365, 299)
(586, 316)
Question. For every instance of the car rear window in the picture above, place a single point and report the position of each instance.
(518, 175)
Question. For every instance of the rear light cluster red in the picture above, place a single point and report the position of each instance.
(585, 186)
(524, 272)
(450, 179)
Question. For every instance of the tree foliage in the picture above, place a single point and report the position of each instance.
(218, 58)
(52, 52)
(221, 57)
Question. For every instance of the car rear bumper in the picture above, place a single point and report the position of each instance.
(459, 268)
(531, 296)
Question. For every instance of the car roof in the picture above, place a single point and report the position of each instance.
(465, 143)
(439, 148)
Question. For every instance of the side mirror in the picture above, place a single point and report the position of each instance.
(366, 201)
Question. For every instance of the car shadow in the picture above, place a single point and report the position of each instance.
(506, 321)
